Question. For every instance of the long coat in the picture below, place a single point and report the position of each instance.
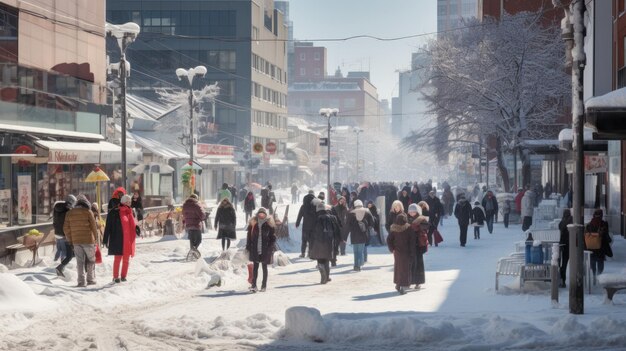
(391, 219)
(355, 233)
(528, 204)
(306, 214)
(226, 222)
(463, 212)
(478, 216)
(119, 232)
(268, 240)
(402, 242)
(322, 245)
(435, 210)
(603, 230)
(418, 270)
(341, 212)
(249, 203)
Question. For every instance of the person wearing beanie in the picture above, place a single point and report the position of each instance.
(340, 211)
(463, 214)
(225, 223)
(306, 216)
(81, 230)
(402, 243)
(114, 202)
(324, 238)
(321, 196)
(193, 215)
(260, 245)
(119, 237)
(65, 251)
(478, 218)
(359, 220)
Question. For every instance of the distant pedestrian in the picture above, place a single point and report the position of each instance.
(225, 223)
(341, 212)
(478, 219)
(402, 242)
(260, 245)
(435, 214)
(64, 247)
(137, 205)
(224, 192)
(81, 230)
(598, 255)
(306, 216)
(193, 215)
(233, 196)
(463, 214)
(490, 206)
(249, 204)
(359, 220)
(564, 244)
(527, 209)
(294, 194)
(268, 198)
(506, 212)
(405, 198)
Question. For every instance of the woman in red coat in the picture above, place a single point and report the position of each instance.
(119, 237)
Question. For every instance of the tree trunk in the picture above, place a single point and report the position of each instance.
(525, 158)
(504, 172)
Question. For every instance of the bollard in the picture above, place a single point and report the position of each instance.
(554, 273)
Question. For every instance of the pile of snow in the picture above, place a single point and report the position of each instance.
(17, 295)
(3, 268)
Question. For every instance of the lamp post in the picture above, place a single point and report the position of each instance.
(357, 131)
(125, 35)
(190, 74)
(328, 113)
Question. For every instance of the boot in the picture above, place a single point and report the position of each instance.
(322, 270)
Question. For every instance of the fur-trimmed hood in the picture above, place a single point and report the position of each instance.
(399, 228)
(270, 220)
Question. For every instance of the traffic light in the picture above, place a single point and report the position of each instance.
(323, 141)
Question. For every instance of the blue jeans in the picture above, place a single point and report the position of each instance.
(359, 254)
(61, 251)
(490, 223)
(365, 253)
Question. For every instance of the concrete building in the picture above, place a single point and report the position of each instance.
(251, 74)
(354, 95)
(412, 108)
(451, 13)
(52, 107)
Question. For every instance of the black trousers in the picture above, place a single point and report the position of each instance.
(305, 240)
(564, 258)
(195, 237)
(256, 274)
(225, 243)
(527, 222)
(69, 254)
(463, 236)
(506, 220)
(325, 263)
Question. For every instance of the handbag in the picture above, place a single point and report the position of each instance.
(437, 236)
(98, 255)
(593, 241)
(137, 230)
(250, 272)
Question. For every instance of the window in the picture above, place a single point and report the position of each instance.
(302, 71)
(255, 33)
(302, 56)
(317, 56)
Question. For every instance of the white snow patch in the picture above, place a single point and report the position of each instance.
(17, 295)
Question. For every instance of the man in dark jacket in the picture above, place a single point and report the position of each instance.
(60, 210)
(463, 214)
(193, 215)
(268, 198)
(341, 212)
(323, 239)
(307, 216)
(490, 204)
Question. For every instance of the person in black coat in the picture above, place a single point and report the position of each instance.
(415, 195)
(564, 244)
(65, 250)
(225, 223)
(490, 205)
(463, 214)
(391, 195)
(137, 205)
(260, 245)
(405, 198)
(598, 225)
(324, 240)
(307, 216)
(435, 211)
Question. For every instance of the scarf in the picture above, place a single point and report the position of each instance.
(259, 246)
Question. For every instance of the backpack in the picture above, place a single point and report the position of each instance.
(327, 228)
(362, 226)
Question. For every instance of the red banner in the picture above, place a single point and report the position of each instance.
(214, 149)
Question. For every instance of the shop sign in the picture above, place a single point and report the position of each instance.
(24, 199)
(215, 149)
(73, 157)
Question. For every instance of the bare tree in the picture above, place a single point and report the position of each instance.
(501, 79)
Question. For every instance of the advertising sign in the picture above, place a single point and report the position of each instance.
(24, 200)
(214, 149)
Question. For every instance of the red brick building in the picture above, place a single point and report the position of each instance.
(309, 62)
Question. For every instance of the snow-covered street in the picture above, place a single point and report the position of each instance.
(165, 304)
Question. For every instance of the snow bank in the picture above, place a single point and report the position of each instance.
(612, 278)
(3, 268)
(17, 295)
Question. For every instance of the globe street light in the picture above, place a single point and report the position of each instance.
(328, 113)
(190, 74)
(125, 35)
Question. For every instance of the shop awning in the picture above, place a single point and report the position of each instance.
(606, 115)
(65, 152)
(23, 129)
(158, 147)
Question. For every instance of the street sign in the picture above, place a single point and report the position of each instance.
(270, 147)
(257, 148)
(323, 141)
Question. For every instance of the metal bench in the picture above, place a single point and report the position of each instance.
(510, 266)
(612, 283)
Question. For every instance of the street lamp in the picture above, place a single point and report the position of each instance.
(125, 35)
(328, 113)
(357, 131)
(190, 74)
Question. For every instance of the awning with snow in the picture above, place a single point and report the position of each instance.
(606, 115)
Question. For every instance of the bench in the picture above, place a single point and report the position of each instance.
(47, 239)
(510, 266)
(535, 272)
(612, 283)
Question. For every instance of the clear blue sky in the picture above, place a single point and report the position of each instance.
(314, 19)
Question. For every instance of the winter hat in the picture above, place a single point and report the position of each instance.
(125, 199)
(71, 200)
(476, 203)
(358, 203)
(321, 206)
(401, 219)
(193, 196)
(81, 200)
(311, 192)
(261, 210)
(414, 208)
